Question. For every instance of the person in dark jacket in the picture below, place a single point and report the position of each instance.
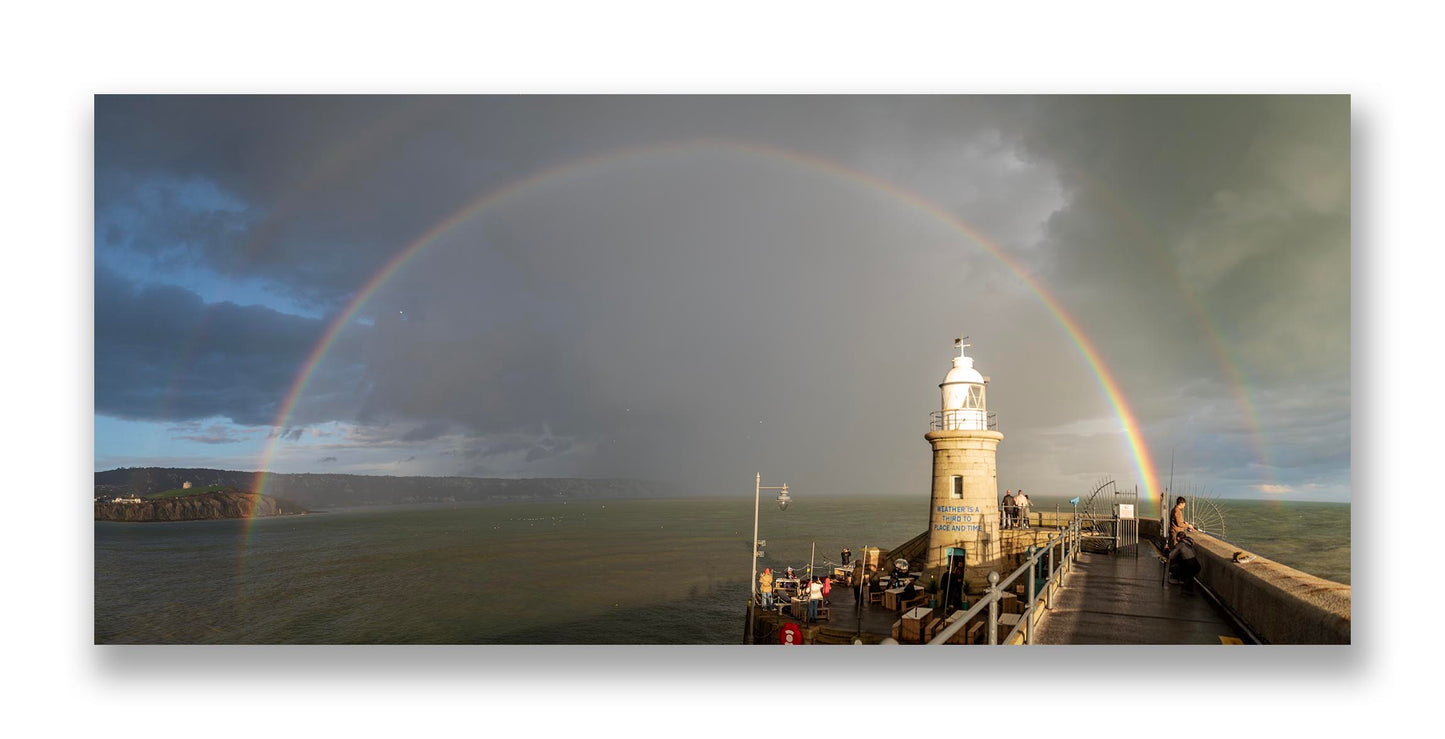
(1177, 525)
(952, 589)
(1184, 563)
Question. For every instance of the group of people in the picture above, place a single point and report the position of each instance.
(1014, 510)
(898, 573)
(816, 589)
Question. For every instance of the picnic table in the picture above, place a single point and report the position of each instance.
(891, 596)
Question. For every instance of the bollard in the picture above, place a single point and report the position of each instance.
(993, 607)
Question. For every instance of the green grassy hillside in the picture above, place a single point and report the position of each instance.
(182, 492)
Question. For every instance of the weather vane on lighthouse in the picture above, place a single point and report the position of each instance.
(959, 343)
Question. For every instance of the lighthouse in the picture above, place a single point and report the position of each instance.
(963, 509)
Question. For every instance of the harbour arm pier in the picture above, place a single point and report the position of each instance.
(1045, 578)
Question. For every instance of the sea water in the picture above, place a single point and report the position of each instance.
(580, 572)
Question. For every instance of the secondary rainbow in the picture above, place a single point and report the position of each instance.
(1226, 359)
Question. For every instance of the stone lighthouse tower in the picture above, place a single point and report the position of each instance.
(963, 511)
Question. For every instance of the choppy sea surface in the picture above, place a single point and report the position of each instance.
(1311, 537)
(580, 572)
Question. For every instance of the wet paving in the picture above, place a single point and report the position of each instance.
(1113, 599)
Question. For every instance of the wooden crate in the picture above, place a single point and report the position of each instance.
(912, 630)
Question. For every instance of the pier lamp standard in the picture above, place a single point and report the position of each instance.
(783, 501)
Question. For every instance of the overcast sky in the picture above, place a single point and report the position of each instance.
(695, 289)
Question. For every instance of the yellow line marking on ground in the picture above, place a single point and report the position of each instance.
(1229, 640)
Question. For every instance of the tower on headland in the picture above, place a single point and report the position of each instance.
(963, 510)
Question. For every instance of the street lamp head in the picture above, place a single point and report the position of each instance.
(783, 499)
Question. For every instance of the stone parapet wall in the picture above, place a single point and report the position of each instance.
(1280, 604)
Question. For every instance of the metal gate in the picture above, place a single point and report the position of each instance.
(1110, 520)
(1126, 518)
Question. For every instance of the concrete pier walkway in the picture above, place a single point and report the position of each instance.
(1112, 599)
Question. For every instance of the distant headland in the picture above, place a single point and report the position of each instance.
(193, 504)
(137, 486)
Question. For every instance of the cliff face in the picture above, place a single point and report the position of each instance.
(204, 506)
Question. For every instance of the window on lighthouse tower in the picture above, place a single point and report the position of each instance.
(958, 486)
(974, 400)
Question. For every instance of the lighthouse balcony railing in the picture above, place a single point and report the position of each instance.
(963, 419)
(1050, 561)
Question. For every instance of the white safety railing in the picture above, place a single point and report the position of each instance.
(963, 419)
(1066, 543)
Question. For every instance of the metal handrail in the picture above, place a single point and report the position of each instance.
(1066, 541)
(956, 420)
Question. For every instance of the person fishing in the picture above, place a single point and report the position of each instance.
(1177, 525)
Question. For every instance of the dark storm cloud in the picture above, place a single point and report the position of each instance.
(163, 353)
(329, 188)
(1223, 224)
(1227, 214)
(707, 311)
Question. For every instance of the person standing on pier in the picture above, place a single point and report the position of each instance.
(815, 599)
(847, 555)
(1008, 509)
(1177, 525)
(1022, 502)
(765, 584)
(953, 589)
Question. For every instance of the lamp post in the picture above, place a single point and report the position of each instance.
(783, 501)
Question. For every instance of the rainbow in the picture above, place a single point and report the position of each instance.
(575, 167)
(1226, 359)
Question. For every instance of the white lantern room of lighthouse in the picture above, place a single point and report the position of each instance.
(965, 402)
